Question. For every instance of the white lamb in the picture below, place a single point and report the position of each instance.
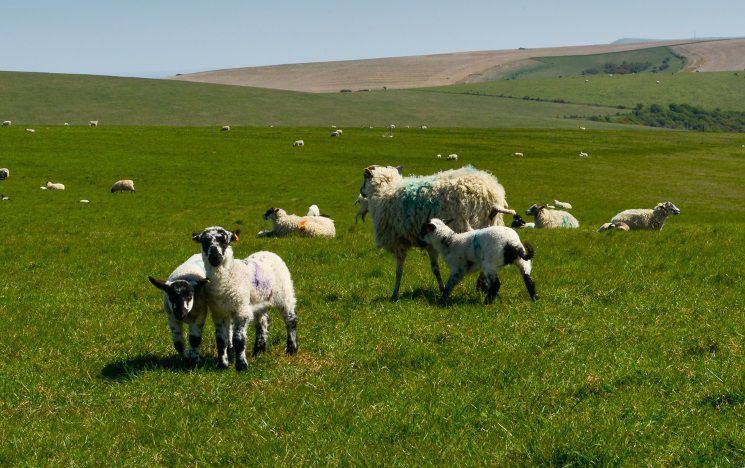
(551, 219)
(7, 123)
(364, 208)
(30, 130)
(400, 205)
(313, 210)
(519, 155)
(485, 250)
(126, 185)
(284, 224)
(582, 154)
(452, 157)
(4, 173)
(562, 205)
(225, 128)
(439, 156)
(55, 186)
(185, 301)
(610, 226)
(335, 133)
(647, 218)
(298, 143)
(93, 123)
(240, 291)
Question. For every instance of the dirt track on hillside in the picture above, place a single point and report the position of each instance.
(726, 55)
(406, 72)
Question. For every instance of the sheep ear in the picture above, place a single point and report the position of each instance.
(195, 237)
(160, 284)
(235, 235)
(400, 170)
(202, 283)
(431, 227)
(368, 173)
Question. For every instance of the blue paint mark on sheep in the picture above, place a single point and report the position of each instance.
(416, 197)
(476, 242)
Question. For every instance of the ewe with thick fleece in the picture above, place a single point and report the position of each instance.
(400, 205)
(240, 291)
(647, 218)
(485, 250)
(551, 219)
(309, 226)
(123, 186)
(184, 300)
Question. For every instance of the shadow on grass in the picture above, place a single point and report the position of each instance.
(129, 369)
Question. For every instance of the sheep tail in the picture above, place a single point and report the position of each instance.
(527, 252)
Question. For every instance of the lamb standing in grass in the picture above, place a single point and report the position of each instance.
(364, 208)
(551, 219)
(309, 226)
(452, 157)
(485, 250)
(645, 218)
(185, 301)
(298, 143)
(243, 290)
(123, 186)
(400, 205)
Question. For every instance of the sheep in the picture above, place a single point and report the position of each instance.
(308, 226)
(4, 198)
(400, 205)
(340, 131)
(67, 124)
(55, 186)
(424, 127)
(30, 130)
(335, 134)
(225, 128)
(362, 212)
(562, 205)
(551, 219)
(621, 226)
(7, 123)
(439, 156)
(518, 222)
(582, 128)
(582, 154)
(313, 210)
(85, 201)
(185, 301)
(647, 218)
(126, 185)
(93, 123)
(240, 291)
(485, 250)
(519, 155)
(4, 173)
(452, 157)
(298, 143)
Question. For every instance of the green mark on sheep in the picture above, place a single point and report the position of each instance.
(476, 243)
(415, 198)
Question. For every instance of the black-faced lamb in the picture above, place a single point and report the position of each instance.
(551, 219)
(485, 250)
(646, 218)
(284, 224)
(185, 301)
(519, 223)
(400, 205)
(241, 291)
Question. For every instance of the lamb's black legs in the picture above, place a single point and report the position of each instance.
(221, 340)
(261, 318)
(455, 278)
(239, 343)
(493, 286)
(531, 286)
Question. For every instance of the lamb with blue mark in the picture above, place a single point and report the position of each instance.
(485, 250)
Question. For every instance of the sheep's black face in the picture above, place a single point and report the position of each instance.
(534, 210)
(181, 298)
(517, 221)
(270, 212)
(215, 242)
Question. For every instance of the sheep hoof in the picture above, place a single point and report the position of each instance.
(222, 364)
(535, 298)
(394, 298)
(240, 366)
(291, 349)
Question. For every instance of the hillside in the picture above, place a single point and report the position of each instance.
(724, 55)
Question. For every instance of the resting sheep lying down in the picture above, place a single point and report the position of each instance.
(646, 218)
(485, 250)
(308, 226)
(551, 219)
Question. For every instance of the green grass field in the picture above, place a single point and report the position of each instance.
(724, 90)
(633, 355)
(575, 65)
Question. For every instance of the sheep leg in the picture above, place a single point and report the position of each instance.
(400, 259)
(177, 334)
(231, 349)
(239, 342)
(195, 337)
(261, 322)
(493, 288)
(433, 254)
(455, 277)
(525, 267)
(221, 340)
(291, 322)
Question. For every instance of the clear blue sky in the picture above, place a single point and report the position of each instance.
(163, 37)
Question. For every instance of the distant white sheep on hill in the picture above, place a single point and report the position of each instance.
(7, 123)
(55, 186)
(123, 186)
(298, 143)
(225, 128)
(93, 123)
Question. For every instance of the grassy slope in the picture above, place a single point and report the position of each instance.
(38, 98)
(725, 90)
(574, 65)
(634, 354)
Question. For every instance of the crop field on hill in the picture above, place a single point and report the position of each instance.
(633, 355)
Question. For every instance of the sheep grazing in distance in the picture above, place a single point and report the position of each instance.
(424, 127)
(335, 133)
(67, 124)
(225, 128)
(485, 250)
(519, 223)
(313, 210)
(123, 186)
(4, 173)
(7, 123)
(298, 143)
(452, 157)
(551, 219)
(4, 198)
(93, 123)
(519, 155)
(582, 154)
(30, 130)
(610, 226)
(645, 218)
(55, 186)
(439, 156)
(582, 128)
(185, 301)
(241, 291)
(84, 201)
(364, 208)
(400, 205)
(340, 131)
(562, 205)
(308, 226)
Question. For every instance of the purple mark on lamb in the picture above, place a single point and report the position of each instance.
(260, 280)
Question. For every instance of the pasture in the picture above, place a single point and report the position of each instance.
(633, 355)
